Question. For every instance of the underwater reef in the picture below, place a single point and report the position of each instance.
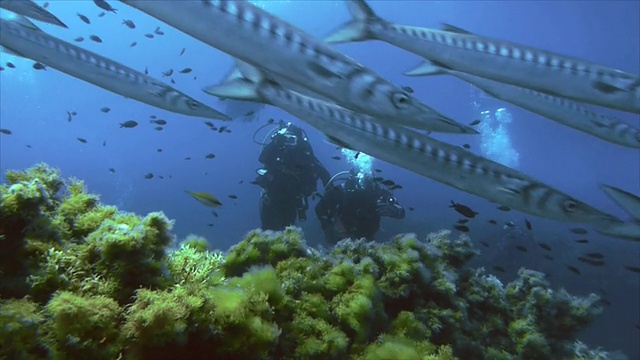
(80, 279)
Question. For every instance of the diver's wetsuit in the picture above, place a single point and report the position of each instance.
(292, 171)
(348, 211)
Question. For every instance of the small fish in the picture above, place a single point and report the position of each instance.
(503, 208)
(101, 14)
(463, 210)
(186, 70)
(474, 122)
(159, 122)
(133, 44)
(148, 176)
(591, 262)
(188, 158)
(582, 241)
(10, 65)
(492, 222)
(95, 38)
(160, 177)
(521, 248)
(548, 257)
(153, 117)
(466, 146)
(83, 18)
(104, 5)
(210, 156)
(173, 81)
(105, 109)
(6, 131)
(158, 128)
(528, 224)
(241, 182)
(209, 124)
(389, 183)
(74, 113)
(210, 224)
(462, 228)
(233, 196)
(357, 155)
(336, 157)
(29, 146)
(182, 52)
(249, 113)
(167, 73)
(82, 140)
(104, 143)
(408, 89)
(377, 170)
(146, 70)
(159, 150)
(545, 246)
(573, 269)
(578, 230)
(129, 124)
(215, 213)
(270, 121)
(595, 255)
(150, 36)
(222, 128)
(79, 39)
(158, 31)
(45, 5)
(112, 170)
(484, 243)
(634, 269)
(499, 269)
(69, 116)
(129, 24)
(205, 198)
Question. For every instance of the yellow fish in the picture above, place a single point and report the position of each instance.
(205, 198)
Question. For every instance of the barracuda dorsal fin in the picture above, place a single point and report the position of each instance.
(250, 72)
(237, 89)
(628, 201)
(358, 28)
(427, 68)
(25, 22)
(455, 29)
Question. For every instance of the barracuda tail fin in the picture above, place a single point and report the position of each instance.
(631, 204)
(240, 84)
(358, 28)
(31, 9)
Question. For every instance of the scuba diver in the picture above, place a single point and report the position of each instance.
(289, 176)
(353, 209)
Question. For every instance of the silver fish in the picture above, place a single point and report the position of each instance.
(629, 229)
(251, 34)
(561, 110)
(23, 38)
(499, 60)
(414, 151)
(31, 10)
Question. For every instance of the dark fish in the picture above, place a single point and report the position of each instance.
(209, 124)
(83, 18)
(104, 143)
(158, 128)
(69, 116)
(146, 70)
(395, 187)
(521, 248)
(466, 146)
(388, 183)
(74, 113)
(493, 222)
(112, 170)
(129, 24)
(105, 109)
(95, 38)
(463, 210)
(377, 170)
(104, 5)
(182, 51)
(249, 113)
(595, 255)
(210, 224)
(129, 124)
(578, 230)
(410, 208)
(499, 269)
(634, 269)
(167, 73)
(173, 81)
(186, 70)
(45, 5)
(153, 117)
(159, 122)
(159, 150)
(222, 128)
(484, 243)
(270, 121)
(188, 158)
(101, 14)
(210, 156)
(29, 146)
(232, 196)
(474, 122)
(241, 182)
(573, 269)
(150, 36)
(215, 213)
(82, 140)
(78, 39)
(408, 89)
(158, 31)
(10, 65)
(148, 176)
(160, 177)
(335, 157)
(357, 155)
(503, 208)
(545, 246)
(6, 131)
(462, 228)
(591, 262)
(133, 44)
(582, 241)
(528, 224)
(548, 257)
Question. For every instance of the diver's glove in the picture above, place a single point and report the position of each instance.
(388, 207)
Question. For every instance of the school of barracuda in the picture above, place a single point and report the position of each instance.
(281, 65)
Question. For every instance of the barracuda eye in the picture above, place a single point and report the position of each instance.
(193, 105)
(569, 206)
(400, 100)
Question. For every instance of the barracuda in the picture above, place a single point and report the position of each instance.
(252, 35)
(561, 110)
(498, 60)
(414, 151)
(629, 229)
(23, 38)
(31, 10)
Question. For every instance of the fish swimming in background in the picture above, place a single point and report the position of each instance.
(31, 10)
(23, 38)
(629, 229)
(415, 151)
(205, 198)
(255, 36)
(105, 6)
(498, 60)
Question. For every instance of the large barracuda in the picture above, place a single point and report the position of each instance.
(561, 110)
(252, 35)
(629, 229)
(31, 10)
(498, 60)
(23, 38)
(415, 151)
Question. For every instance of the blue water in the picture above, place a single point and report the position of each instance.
(34, 105)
